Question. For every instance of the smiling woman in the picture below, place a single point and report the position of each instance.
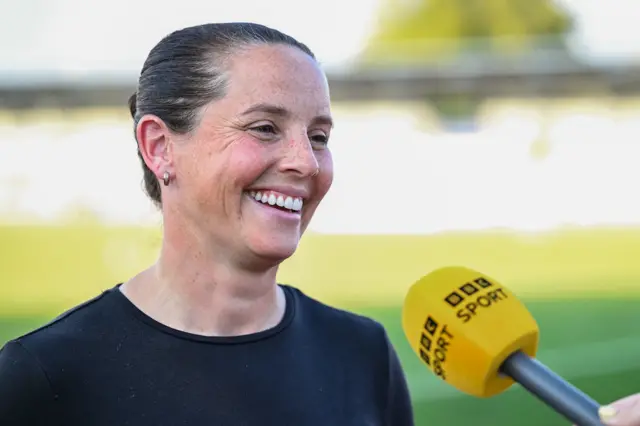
(232, 123)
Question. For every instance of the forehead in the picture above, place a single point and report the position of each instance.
(277, 74)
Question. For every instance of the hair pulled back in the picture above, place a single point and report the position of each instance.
(186, 70)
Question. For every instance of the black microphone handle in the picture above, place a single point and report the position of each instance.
(553, 390)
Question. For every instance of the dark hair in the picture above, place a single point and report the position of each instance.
(186, 70)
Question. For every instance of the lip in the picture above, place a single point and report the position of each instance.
(283, 189)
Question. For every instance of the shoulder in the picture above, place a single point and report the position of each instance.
(32, 364)
(340, 324)
(24, 385)
(362, 345)
(18, 366)
(70, 328)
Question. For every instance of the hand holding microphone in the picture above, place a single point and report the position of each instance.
(624, 412)
(473, 333)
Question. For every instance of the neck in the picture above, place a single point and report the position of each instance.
(192, 289)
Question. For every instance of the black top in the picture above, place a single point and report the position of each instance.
(106, 363)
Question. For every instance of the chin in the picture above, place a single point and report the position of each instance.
(276, 249)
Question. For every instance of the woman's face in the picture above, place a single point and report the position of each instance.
(251, 176)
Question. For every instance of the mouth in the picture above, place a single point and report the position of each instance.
(277, 200)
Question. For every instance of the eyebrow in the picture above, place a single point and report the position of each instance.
(281, 111)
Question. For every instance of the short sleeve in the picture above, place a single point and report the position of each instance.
(399, 408)
(26, 397)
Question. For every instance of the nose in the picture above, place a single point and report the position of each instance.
(299, 157)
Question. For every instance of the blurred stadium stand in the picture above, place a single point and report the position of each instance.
(545, 72)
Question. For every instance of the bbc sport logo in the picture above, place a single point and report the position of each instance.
(434, 342)
(468, 289)
(426, 339)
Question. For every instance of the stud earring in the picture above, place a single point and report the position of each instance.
(166, 178)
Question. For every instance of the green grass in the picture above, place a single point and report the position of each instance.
(595, 344)
(49, 267)
(15, 326)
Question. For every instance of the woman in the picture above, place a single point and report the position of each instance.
(232, 123)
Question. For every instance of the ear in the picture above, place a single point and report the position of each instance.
(153, 141)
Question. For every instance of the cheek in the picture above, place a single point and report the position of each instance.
(247, 163)
(196, 170)
(325, 178)
(189, 166)
(204, 166)
(236, 164)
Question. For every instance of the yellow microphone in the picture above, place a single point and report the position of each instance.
(474, 334)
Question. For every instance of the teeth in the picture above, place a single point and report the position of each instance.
(280, 200)
(288, 203)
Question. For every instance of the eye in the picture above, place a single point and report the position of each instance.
(265, 128)
(320, 138)
(266, 132)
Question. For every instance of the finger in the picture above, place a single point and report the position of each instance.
(622, 413)
(626, 402)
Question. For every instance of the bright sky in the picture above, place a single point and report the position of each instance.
(76, 35)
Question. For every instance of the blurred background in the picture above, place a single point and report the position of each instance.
(502, 135)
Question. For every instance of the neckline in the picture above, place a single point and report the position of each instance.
(287, 319)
